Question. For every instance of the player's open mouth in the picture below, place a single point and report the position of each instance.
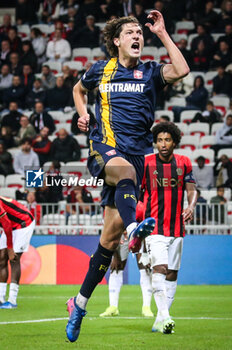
(135, 46)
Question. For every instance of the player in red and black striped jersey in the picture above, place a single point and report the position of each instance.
(166, 177)
(18, 225)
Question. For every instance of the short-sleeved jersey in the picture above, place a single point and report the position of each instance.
(163, 185)
(125, 103)
(16, 212)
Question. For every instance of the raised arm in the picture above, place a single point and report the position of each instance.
(80, 100)
(179, 67)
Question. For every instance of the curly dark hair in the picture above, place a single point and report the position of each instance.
(113, 29)
(168, 127)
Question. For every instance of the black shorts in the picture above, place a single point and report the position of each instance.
(100, 154)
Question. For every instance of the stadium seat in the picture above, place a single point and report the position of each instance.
(160, 113)
(163, 55)
(208, 194)
(184, 27)
(184, 152)
(13, 151)
(52, 137)
(2, 181)
(97, 219)
(175, 101)
(177, 37)
(82, 140)
(84, 153)
(101, 25)
(56, 67)
(66, 126)
(82, 54)
(53, 220)
(207, 153)
(187, 116)
(24, 31)
(226, 151)
(97, 53)
(45, 28)
(216, 36)
(207, 141)
(75, 167)
(57, 116)
(183, 128)
(149, 53)
(216, 127)
(15, 180)
(221, 103)
(197, 73)
(74, 65)
(190, 39)
(209, 79)
(190, 142)
(8, 192)
(229, 212)
(200, 129)
(48, 164)
(96, 194)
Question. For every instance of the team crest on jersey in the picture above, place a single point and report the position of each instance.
(138, 74)
(111, 153)
(179, 171)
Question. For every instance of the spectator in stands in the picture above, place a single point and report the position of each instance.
(69, 78)
(6, 25)
(26, 12)
(182, 45)
(28, 56)
(87, 7)
(49, 11)
(5, 52)
(26, 131)
(59, 97)
(205, 37)
(224, 135)
(70, 33)
(196, 100)
(56, 192)
(6, 137)
(14, 39)
(58, 49)
(27, 78)
(81, 196)
(42, 145)
(203, 174)
(210, 115)
(70, 15)
(108, 9)
(25, 158)
(225, 15)
(227, 37)
(164, 119)
(5, 77)
(39, 119)
(48, 78)
(12, 119)
(5, 161)
(201, 59)
(222, 83)
(65, 148)
(89, 35)
(209, 18)
(37, 94)
(200, 209)
(224, 173)
(218, 211)
(222, 56)
(33, 206)
(39, 45)
(15, 67)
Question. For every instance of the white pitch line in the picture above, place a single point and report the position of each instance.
(115, 318)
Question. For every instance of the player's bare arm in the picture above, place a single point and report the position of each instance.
(192, 199)
(179, 67)
(80, 100)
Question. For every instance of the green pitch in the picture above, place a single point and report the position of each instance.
(203, 316)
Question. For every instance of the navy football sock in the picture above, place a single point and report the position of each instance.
(98, 266)
(125, 199)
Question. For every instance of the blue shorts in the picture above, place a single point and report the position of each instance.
(100, 154)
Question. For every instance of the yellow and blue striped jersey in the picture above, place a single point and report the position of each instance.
(125, 103)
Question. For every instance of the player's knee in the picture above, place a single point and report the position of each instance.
(163, 269)
(127, 172)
